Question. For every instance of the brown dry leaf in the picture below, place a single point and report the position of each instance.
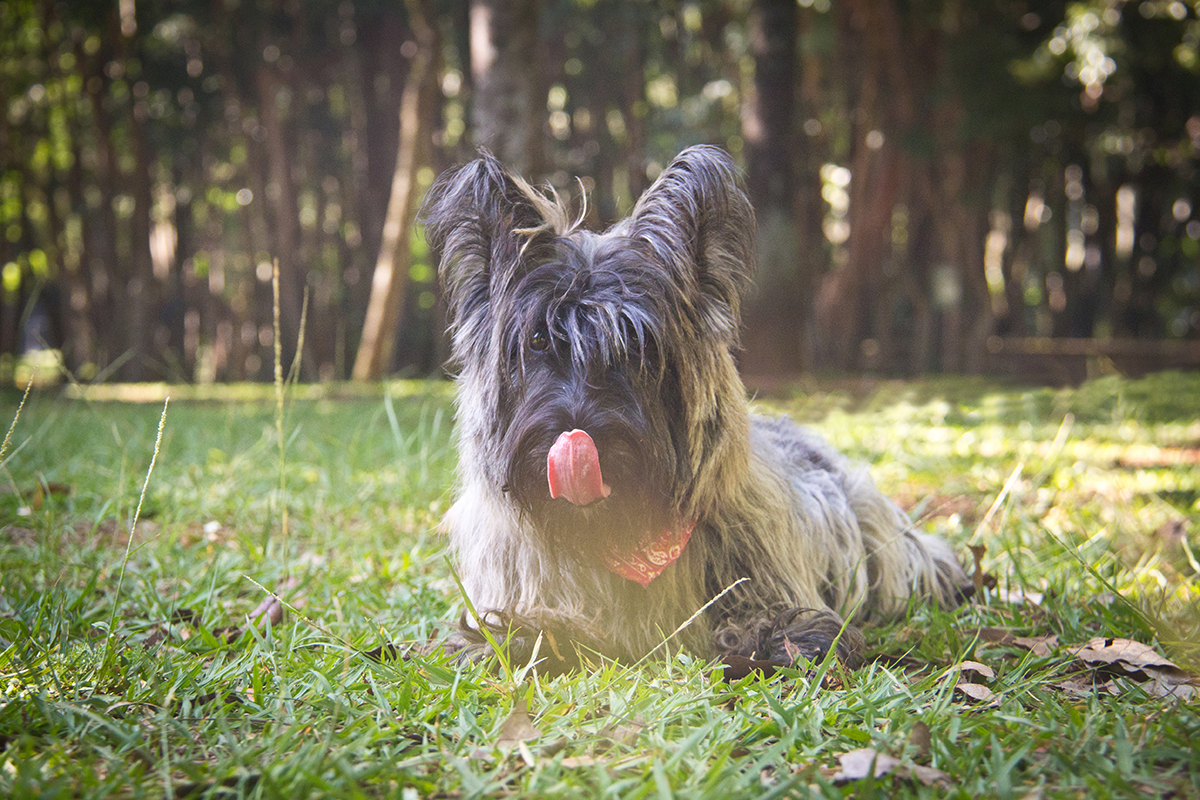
(517, 726)
(928, 775)
(977, 551)
(270, 610)
(1127, 653)
(1159, 676)
(993, 635)
(44, 490)
(979, 692)
(1115, 658)
(1038, 645)
(976, 667)
(1079, 684)
(1164, 684)
(920, 740)
(550, 640)
(580, 761)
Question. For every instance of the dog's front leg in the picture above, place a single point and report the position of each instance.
(779, 635)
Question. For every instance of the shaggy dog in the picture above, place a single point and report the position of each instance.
(612, 478)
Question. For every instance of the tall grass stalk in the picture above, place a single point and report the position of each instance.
(293, 375)
(283, 523)
(112, 620)
(16, 416)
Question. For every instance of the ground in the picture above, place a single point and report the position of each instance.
(152, 659)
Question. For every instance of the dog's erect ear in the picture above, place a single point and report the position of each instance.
(698, 222)
(481, 222)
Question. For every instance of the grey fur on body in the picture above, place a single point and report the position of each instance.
(631, 335)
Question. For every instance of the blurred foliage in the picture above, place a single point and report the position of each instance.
(156, 157)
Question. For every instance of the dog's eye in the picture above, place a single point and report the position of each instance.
(539, 342)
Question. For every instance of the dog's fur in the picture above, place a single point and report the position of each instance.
(631, 335)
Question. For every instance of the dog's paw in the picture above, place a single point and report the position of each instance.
(782, 636)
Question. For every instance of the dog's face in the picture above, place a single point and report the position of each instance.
(627, 336)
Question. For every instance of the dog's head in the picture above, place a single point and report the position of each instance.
(628, 335)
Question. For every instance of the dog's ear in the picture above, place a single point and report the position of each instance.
(697, 220)
(481, 224)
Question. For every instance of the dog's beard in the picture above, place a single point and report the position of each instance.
(635, 461)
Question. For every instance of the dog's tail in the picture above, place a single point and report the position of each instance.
(902, 563)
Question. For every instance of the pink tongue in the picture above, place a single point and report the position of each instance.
(574, 469)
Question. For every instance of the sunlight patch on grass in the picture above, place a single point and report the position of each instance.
(1092, 539)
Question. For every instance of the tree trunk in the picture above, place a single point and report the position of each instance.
(281, 196)
(775, 312)
(104, 270)
(509, 100)
(141, 293)
(390, 279)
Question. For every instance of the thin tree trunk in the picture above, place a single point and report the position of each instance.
(774, 314)
(141, 292)
(281, 196)
(390, 280)
(508, 102)
(104, 271)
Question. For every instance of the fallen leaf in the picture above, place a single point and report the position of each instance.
(580, 761)
(1038, 645)
(1078, 685)
(550, 640)
(1164, 684)
(976, 667)
(269, 610)
(517, 726)
(920, 740)
(977, 551)
(1126, 652)
(977, 691)
(44, 490)
(864, 762)
(928, 775)
(1112, 659)
(992, 635)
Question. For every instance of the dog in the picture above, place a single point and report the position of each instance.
(612, 480)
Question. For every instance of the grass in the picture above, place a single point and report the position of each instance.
(195, 702)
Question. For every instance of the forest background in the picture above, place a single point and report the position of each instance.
(941, 185)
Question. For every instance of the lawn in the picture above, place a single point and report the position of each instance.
(151, 659)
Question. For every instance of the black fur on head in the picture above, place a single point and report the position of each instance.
(629, 335)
